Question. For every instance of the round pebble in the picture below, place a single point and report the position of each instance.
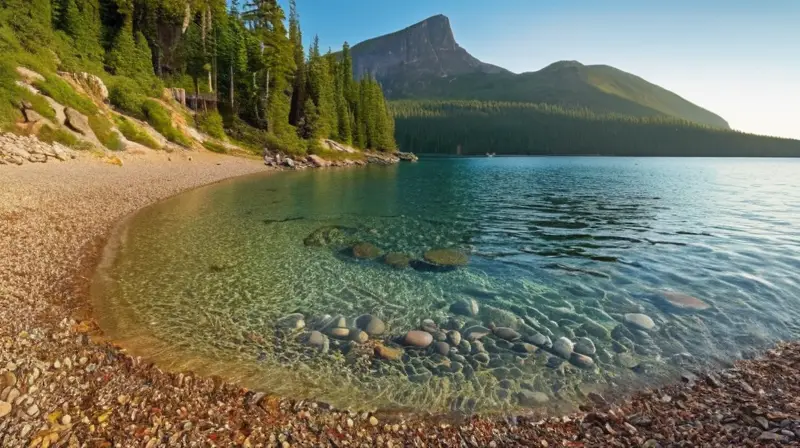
(5, 408)
(640, 321)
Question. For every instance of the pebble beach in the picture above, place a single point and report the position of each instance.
(62, 384)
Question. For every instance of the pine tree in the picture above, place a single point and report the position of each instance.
(299, 80)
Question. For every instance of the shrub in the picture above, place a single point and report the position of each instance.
(61, 91)
(135, 133)
(215, 147)
(258, 139)
(104, 131)
(125, 94)
(211, 123)
(48, 134)
(159, 117)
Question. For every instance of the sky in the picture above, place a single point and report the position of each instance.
(738, 59)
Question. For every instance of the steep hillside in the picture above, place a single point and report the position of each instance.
(425, 62)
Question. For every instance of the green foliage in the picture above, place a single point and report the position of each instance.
(103, 129)
(130, 56)
(135, 133)
(61, 91)
(48, 134)
(476, 127)
(125, 95)
(160, 118)
(211, 123)
(30, 22)
(215, 147)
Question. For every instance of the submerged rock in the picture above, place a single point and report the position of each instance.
(594, 329)
(371, 324)
(640, 321)
(507, 333)
(563, 347)
(340, 333)
(476, 332)
(429, 325)
(582, 361)
(358, 336)
(500, 317)
(292, 321)
(684, 302)
(325, 236)
(530, 398)
(446, 257)
(454, 337)
(539, 340)
(397, 260)
(585, 346)
(365, 251)
(319, 341)
(388, 353)
(442, 348)
(418, 338)
(523, 347)
(465, 307)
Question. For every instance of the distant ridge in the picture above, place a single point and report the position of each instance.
(424, 61)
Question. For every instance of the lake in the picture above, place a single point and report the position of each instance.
(651, 265)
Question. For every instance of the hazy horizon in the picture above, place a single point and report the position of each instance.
(738, 60)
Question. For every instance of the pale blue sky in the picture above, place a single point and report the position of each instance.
(738, 59)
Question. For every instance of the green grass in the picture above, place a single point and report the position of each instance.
(215, 147)
(60, 90)
(125, 94)
(159, 117)
(211, 123)
(49, 134)
(104, 131)
(135, 133)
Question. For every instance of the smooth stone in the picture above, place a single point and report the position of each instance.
(365, 251)
(640, 321)
(530, 398)
(358, 336)
(397, 260)
(371, 324)
(582, 361)
(621, 331)
(499, 317)
(477, 347)
(507, 333)
(594, 329)
(293, 321)
(524, 347)
(338, 321)
(442, 348)
(684, 302)
(459, 358)
(585, 346)
(318, 340)
(340, 333)
(465, 347)
(418, 338)
(502, 344)
(440, 336)
(563, 347)
(388, 353)
(482, 358)
(446, 257)
(476, 332)
(465, 307)
(454, 337)
(5, 408)
(627, 360)
(429, 325)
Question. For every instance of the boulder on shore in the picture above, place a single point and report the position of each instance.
(77, 121)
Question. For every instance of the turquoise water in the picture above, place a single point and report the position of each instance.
(558, 247)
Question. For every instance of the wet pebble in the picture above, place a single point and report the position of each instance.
(539, 340)
(476, 347)
(5, 408)
(319, 341)
(476, 332)
(429, 325)
(418, 338)
(442, 348)
(454, 337)
(481, 358)
(340, 333)
(440, 336)
(523, 347)
(507, 333)
(585, 346)
(582, 361)
(640, 321)
(371, 325)
(563, 347)
(358, 336)
(292, 321)
(465, 307)
(530, 398)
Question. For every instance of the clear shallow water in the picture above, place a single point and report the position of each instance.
(198, 281)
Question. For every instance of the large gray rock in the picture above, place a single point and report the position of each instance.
(640, 321)
(563, 347)
(476, 332)
(31, 116)
(585, 346)
(77, 121)
(418, 338)
(530, 398)
(465, 307)
(507, 333)
(371, 324)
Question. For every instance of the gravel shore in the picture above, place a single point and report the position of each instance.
(61, 385)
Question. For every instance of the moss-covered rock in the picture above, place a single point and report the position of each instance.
(364, 250)
(446, 257)
(325, 236)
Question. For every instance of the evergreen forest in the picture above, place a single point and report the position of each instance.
(244, 65)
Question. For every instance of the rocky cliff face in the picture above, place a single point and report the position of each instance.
(424, 49)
